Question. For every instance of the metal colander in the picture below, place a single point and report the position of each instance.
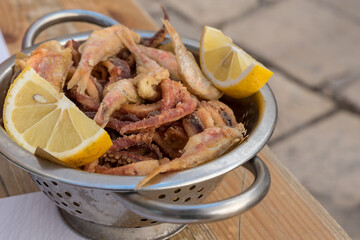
(108, 207)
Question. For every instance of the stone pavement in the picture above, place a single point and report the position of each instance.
(313, 47)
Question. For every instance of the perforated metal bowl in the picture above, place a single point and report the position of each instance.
(108, 207)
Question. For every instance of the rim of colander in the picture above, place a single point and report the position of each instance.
(236, 157)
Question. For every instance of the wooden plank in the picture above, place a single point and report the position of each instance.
(16, 17)
(288, 211)
(14, 180)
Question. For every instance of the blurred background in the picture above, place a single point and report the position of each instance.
(313, 47)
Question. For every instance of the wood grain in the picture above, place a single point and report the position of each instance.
(17, 16)
(287, 212)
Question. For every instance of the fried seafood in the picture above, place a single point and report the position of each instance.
(74, 48)
(201, 148)
(159, 36)
(118, 69)
(171, 139)
(170, 91)
(122, 158)
(100, 45)
(157, 123)
(116, 95)
(192, 124)
(208, 114)
(123, 143)
(189, 71)
(52, 62)
(149, 73)
(134, 169)
(164, 58)
(85, 101)
(186, 105)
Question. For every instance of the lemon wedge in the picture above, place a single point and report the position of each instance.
(229, 67)
(36, 115)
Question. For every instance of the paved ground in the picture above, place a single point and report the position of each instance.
(313, 46)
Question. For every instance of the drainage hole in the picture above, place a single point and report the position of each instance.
(38, 182)
(193, 187)
(200, 189)
(177, 190)
(78, 211)
(50, 194)
(68, 194)
(188, 199)
(64, 204)
(45, 193)
(143, 219)
(200, 196)
(138, 227)
(59, 195)
(57, 202)
(176, 199)
(45, 184)
(76, 204)
(153, 222)
(162, 196)
(55, 183)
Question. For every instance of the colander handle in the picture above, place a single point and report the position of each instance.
(70, 15)
(200, 213)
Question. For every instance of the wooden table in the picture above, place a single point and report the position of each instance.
(287, 212)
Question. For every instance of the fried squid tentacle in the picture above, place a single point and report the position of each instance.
(126, 142)
(124, 157)
(160, 35)
(201, 148)
(186, 106)
(170, 91)
(87, 103)
(134, 169)
(117, 68)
